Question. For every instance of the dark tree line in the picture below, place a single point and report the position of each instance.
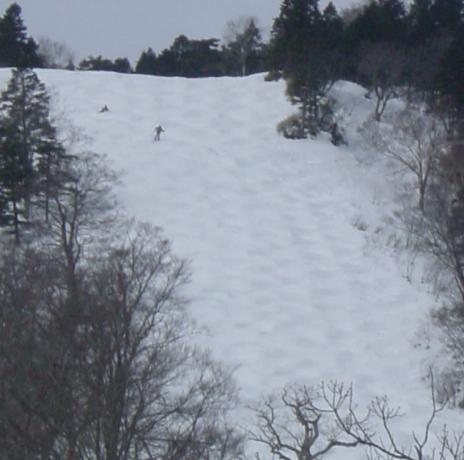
(243, 54)
(121, 65)
(416, 45)
(382, 44)
(389, 48)
(185, 58)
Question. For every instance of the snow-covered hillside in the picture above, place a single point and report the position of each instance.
(278, 232)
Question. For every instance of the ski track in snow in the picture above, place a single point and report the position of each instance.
(282, 278)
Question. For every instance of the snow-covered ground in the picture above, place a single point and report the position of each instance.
(279, 233)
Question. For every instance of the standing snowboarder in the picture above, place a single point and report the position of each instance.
(158, 130)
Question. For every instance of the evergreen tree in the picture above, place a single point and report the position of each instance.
(333, 27)
(447, 15)
(381, 21)
(450, 79)
(146, 63)
(421, 22)
(305, 45)
(206, 59)
(430, 20)
(15, 179)
(50, 175)
(30, 152)
(121, 65)
(184, 58)
(16, 49)
(308, 87)
(181, 48)
(190, 58)
(296, 28)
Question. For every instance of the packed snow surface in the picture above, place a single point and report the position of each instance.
(286, 276)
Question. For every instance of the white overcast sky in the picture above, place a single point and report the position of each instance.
(123, 28)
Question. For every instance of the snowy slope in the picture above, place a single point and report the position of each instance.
(283, 277)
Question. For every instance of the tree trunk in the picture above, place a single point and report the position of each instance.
(422, 197)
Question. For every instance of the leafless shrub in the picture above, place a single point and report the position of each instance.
(291, 127)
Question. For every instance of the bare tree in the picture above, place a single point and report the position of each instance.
(95, 316)
(55, 55)
(352, 12)
(299, 425)
(243, 39)
(82, 211)
(152, 394)
(412, 139)
(362, 429)
(29, 392)
(382, 66)
(308, 422)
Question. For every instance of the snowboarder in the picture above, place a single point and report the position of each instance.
(158, 130)
(104, 109)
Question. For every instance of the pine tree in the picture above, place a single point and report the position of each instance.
(121, 65)
(421, 22)
(381, 21)
(304, 46)
(15, 179)
(431, 19)
(447, 15)
(30, 152)
(294, 31)
(146, 63)
(333, 25)
(308, 87)
(50, 175)
(16, 49)
(450, 78)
